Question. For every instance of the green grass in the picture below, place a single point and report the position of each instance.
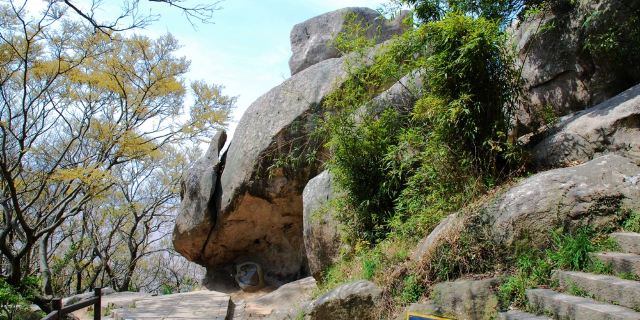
(632, 224)
(534, 267)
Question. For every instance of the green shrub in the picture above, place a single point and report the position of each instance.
(412, 289)
(632, 224)
(15, 302)
(402, 172)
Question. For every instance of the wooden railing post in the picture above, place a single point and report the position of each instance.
(97, 307)
(56, 304)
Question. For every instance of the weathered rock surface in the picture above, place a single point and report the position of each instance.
(320, 229)
(197, 210)
(462, 299)
(312, 40)
(560, 74)
(591, 193)
(260, 217)
(284, 303)
(350, 301)
(467, 299)
(610, 127)
(447, 227)
(401, 96)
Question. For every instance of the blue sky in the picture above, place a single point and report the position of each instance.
(247, 48)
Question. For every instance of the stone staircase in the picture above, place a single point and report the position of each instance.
(592, 296)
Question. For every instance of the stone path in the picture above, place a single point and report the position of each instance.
(192, 305)
(283, 303)
(601, 296)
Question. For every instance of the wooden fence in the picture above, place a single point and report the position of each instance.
(59, 311)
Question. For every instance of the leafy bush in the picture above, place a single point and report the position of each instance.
(499, 10)
(403, 171)
(412, 289)
(14, 302)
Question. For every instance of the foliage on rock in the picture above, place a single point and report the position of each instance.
(397, 164)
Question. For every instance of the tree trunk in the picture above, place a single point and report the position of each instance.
(45, 272)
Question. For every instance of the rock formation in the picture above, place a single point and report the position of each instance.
(260, 213)
(257, 211)
(320, 229)
(312, 40)
(350, 301)
(589, 194)
(610, 127)
(197, 211)
(560, 74)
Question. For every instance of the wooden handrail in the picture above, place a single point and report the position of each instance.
(59, 311)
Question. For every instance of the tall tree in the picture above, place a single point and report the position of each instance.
(74, 106)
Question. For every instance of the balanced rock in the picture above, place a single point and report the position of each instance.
(312, 41)
(260, 214)
(320, 229)
(197, 210)
(610, 127)
(561, 74)
(354, 300)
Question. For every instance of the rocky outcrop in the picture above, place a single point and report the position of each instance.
(197, 210)
(320, 229)
(257, 213)
(594, 193)
(452, 224)
(561, 74)
(589, 194)
(312, 41)
(610, 127)
(354, 300)
(259, 218)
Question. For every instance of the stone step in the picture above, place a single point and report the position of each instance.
(621, 262)
(603, 288)
(520, 315)
(628, 242)
(563, 306)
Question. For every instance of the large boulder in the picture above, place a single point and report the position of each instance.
(259, 218)
(320, 228)
(610, 127)
(593, 193)
(197, 210)
(312, 41)
(561, 74)
(354, 300)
